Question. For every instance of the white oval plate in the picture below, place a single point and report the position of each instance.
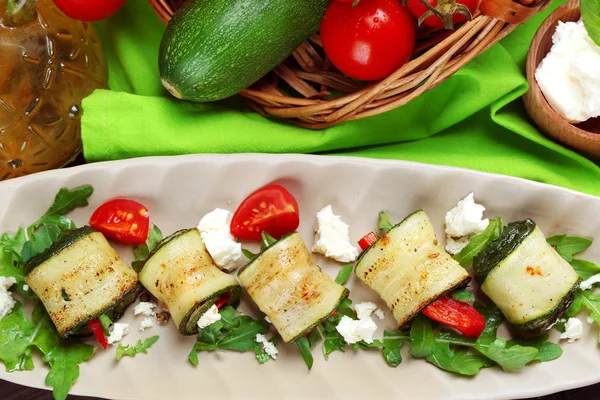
(180, 190)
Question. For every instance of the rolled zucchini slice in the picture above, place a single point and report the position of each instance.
(526, 278)
(409, 268)
(79, 278)
(290, 288)
(181, 273)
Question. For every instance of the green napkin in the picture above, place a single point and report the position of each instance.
(472, 120)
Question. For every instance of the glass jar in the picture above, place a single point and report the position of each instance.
(48, 64)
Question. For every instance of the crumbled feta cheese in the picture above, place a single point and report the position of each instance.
(332, 237)
(455, 246)
(589, 320)
(7, 303)
(380, 314)
(144, 308)
(269, 347)
(268, 320)
(466, 218)
(569, 76)
(209, 317)
(215, 229)
(573, 330)
(589, 283)
(26, 288)
(147, 322)
(354, 331)
(117, 332)
(364, 310)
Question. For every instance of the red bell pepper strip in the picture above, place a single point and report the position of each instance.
(223, 300)
(457, 314)
(96, 327)
(367, 240)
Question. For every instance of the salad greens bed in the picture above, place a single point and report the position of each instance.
(21, 335)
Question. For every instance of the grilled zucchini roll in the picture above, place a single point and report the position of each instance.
(181, 273)
(290, 288)
(79, 278)
(526, 278)
(409, 268)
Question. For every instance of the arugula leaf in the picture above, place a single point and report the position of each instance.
(547, 351)
(304, 347)
(17, 334)
(106, 323)
(10, 254)
(234, 331)
(140, 347)
(344, 274)
(267, 241)
(458, 361)
(392, 343)
(261, 355)
(585, 269)
(316, 334)
(479, 242)
(142, 251)
(64, 360)
(464, 295)
(590, 13)
(566, 246)
(422, 338)
(65, 201)
(588, 300)
(40, 241)
(248, 254)
(333, 342)
(384, 221)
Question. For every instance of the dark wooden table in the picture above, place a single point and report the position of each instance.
(9, 391)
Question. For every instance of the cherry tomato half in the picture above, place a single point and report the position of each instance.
(417, 9)
(89, 10)
(124, 220)
(270, 209)
(370, 40)
(457, 314)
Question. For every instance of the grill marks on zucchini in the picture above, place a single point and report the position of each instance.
(181, 273)
(80, 278)
(409, 268)
(290, 288)
(526, 278)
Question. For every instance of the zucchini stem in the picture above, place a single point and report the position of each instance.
(19, 12)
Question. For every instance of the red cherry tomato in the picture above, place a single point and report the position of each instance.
(124, 220)
(457, 314)
(417, 9)
(270, 209)
(224, 299)
(89, 10)
(370, 40)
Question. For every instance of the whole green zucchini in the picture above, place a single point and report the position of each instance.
(213, 49)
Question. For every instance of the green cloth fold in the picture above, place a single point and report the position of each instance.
(473, 120)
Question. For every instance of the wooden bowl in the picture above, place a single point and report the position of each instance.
(585, 136)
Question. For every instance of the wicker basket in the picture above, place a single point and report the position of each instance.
(315, 83)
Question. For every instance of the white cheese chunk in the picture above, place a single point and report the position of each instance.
(268, 347)
(147, 322)
(26, 288)
(589, 283)
(268, 320)
(380, 314)
(573, 330)
(332, 237)
(7, 303)
(569, 76)
(364, 310)
(118, 331)
(589, 320)
(215, 229)
(354, 331)
(209, 317)
(455, 246)
(466, 218)
(144, 308)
